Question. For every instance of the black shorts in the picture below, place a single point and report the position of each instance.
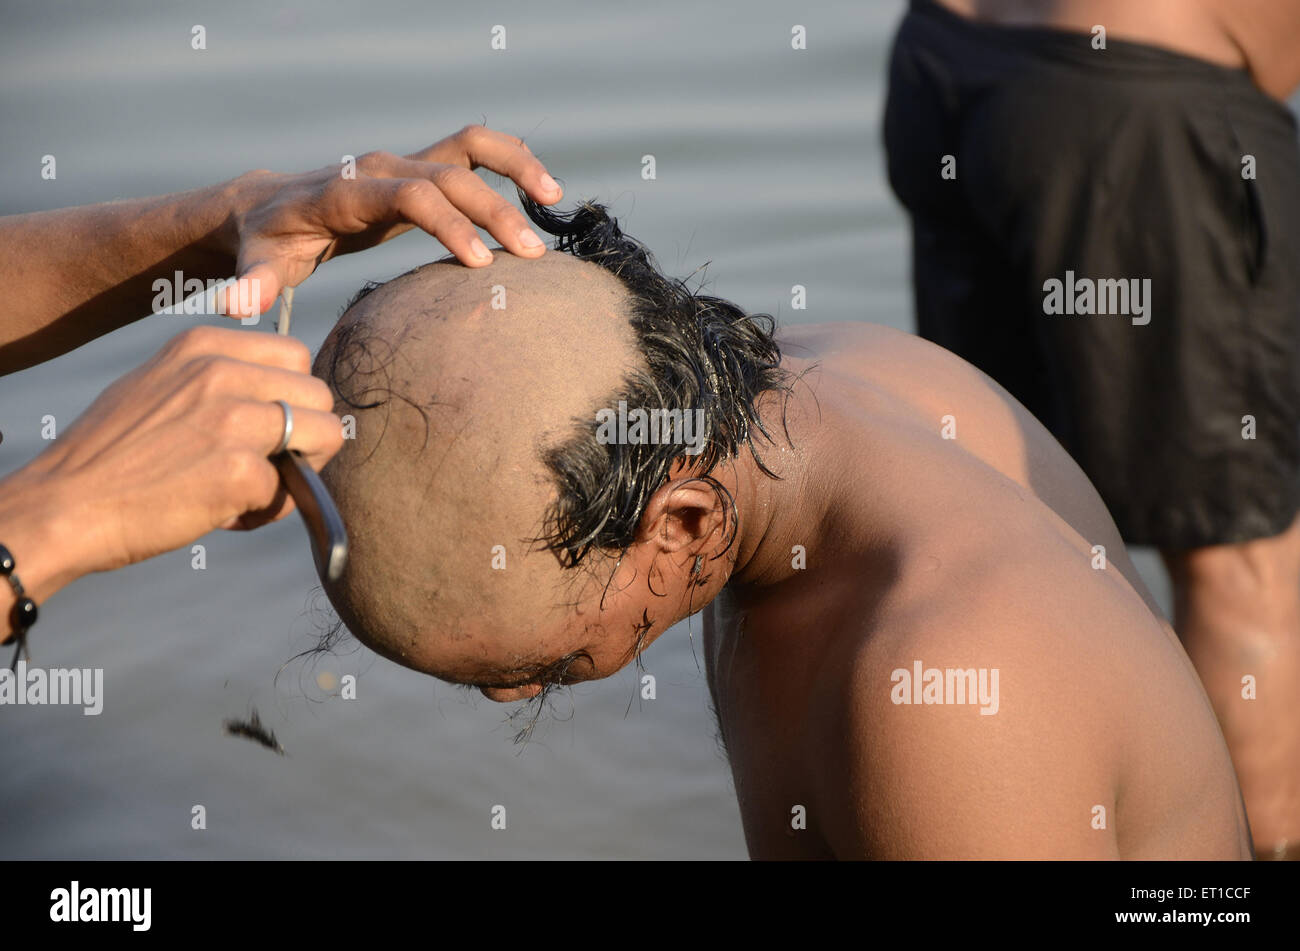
(1077, 169)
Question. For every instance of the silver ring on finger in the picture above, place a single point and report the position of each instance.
(288, 429)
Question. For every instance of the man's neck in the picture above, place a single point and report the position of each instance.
(776, 514)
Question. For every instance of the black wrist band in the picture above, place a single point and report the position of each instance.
(23, 614)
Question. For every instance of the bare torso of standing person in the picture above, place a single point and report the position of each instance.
(1262, 36)
(953, 531)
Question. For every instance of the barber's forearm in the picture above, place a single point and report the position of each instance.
(75, 274)
(40, 528)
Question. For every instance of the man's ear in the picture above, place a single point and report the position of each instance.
(681, 514)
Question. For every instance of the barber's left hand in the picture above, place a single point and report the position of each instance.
(290, 224)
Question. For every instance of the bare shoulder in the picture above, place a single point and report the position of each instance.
(1012, 712)
(823, 339)
(888, 356)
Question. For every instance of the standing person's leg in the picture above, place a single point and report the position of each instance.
(1237, 610)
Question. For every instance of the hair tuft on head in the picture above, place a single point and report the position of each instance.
(700, 352)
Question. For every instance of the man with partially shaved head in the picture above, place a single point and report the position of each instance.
(923, 636)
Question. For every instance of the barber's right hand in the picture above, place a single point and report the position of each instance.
(181, 446)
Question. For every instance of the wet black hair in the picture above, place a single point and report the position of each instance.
(698, 352)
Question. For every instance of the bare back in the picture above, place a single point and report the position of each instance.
(958, 535)
(1262, 36)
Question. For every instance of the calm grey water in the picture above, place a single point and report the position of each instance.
(769, 166)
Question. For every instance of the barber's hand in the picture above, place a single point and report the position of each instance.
(293, 223)
(180, 446)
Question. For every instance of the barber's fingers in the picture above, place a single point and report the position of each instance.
(260, 494)
(232, 382)
(477, 146)
(221, 372)
(215, 376)
(258, 286)
(422, 203)
(269, 350)
(476, 201)
(316, 434)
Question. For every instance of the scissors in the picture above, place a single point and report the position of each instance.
(329, 539)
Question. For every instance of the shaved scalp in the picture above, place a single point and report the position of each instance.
(456, 401)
